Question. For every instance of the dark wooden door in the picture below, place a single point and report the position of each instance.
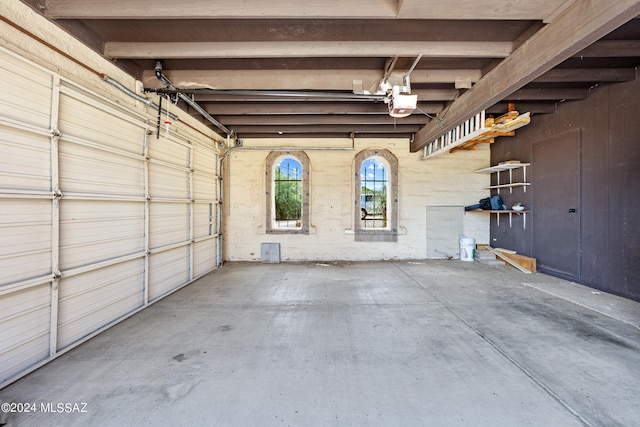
(556, 205)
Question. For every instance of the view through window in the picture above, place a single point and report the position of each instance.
(287, 186)
(373, 198)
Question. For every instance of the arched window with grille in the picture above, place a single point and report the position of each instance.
(287, 186)
(376, 201)
(373, 196)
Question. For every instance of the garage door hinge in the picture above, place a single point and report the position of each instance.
(55, 133)
(57, 194)
(56, 275)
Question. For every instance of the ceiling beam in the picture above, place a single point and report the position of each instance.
(306, 49)
(347, 135)
(339, 108)
(318, 119)
(564, 75)
(611, 49)
(343, 9)
(470, 9)
(548, 94)
(525, 107)
(296, 79)
(306, 129)
(580, 25)
(423, 95)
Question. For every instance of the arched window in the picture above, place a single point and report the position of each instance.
(376, 201)
(373, 193)
(287, 194)
(287, 186)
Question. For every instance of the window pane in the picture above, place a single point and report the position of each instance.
(373, 200)
(288, 194)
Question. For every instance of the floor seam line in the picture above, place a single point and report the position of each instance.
(504, 354)
(531, 285)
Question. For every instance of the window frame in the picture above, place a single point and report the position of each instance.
(390, 232)
(272, 160)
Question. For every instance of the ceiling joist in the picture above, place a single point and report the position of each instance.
(298, 79)
(283, 49)
(327, 108)
(344, 9)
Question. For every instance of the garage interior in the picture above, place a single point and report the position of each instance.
(147, 148)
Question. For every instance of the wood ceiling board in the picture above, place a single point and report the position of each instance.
(248, 30)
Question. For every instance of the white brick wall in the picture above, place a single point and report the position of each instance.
(447, 180)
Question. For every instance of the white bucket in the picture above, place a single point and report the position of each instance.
(467, 248)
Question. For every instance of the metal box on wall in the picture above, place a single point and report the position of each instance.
(270, 253)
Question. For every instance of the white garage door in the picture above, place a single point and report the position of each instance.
(98, 217)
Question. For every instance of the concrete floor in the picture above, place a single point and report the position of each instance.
(431, 343)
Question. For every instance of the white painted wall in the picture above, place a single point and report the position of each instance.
(447, 180)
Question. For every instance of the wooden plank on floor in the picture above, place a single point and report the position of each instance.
(522, 263)
(525, 261)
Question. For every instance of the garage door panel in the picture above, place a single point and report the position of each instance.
(87, 120)
(89, 301)
(29, 253)
(20, 267)
(121, 233)
(203, 219)
(169, 151)
(90, 171)
(95, 231)
(25, 233)
(25, 226)
(168, 224)
(19, 78)
(23, 358)
(25, 160)
(167, 271)
(100, 210)
(26, 238)
(167, 182)
(204, 187)
(204, 159)
(24, 329)
(204, 256)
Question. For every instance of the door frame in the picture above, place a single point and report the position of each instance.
(569, 133)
